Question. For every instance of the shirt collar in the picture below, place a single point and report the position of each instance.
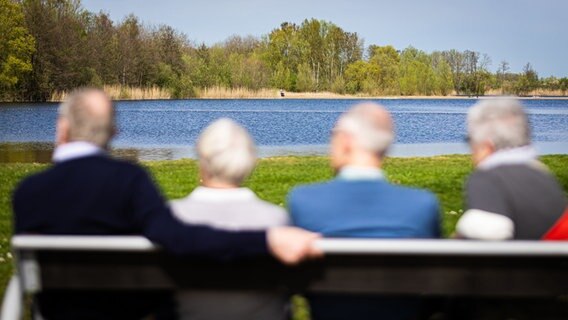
(74, 150)
(220, 195)
(354, 173)
(520, 155)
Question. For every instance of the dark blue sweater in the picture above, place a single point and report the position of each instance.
(98, 195)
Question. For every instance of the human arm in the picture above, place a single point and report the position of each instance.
(290, 245)
(488, 216)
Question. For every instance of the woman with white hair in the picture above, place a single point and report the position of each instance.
(227, 157)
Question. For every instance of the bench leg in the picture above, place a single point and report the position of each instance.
(13, 300)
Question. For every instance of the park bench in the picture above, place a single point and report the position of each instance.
(511, 269)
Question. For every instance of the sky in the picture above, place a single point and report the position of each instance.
(518, 31)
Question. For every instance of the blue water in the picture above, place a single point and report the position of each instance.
(278, 122)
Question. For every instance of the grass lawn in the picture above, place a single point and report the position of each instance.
(274, 177)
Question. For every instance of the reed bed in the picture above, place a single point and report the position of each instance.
(218, 92)
(118, 92)
(534, 93)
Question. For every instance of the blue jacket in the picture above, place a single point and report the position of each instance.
(365, 209)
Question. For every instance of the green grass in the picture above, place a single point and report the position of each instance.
(274, 177)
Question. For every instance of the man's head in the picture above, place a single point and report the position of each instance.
(227, 154)
(495, 125)
(361, 136)
(86, 115)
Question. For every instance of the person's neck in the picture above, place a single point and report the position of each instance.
(218, 185)
(75, 149)
(365, 161)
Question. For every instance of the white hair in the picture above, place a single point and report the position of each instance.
(226, 152)
(502, 121)
(368, 133)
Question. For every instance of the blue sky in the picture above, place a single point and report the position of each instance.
(518, 31)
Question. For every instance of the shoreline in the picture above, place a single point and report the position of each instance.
(315, 96)
(41, 152)
(334, 96)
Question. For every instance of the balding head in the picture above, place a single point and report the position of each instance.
(362, 134)
(86, 115)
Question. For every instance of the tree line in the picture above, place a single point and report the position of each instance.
(52, 46)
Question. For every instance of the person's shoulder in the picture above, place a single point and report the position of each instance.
(270, 208)
(123, 169)
(317, 186)
(412, 191)
(121, 164)
(414, 195)
(311, 190)
(179, 205)
(34, 181)
(482, 178)
(274, 214)
(484, 174)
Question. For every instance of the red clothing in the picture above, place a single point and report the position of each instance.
(560, 230)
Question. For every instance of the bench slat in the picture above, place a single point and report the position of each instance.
(330, 246)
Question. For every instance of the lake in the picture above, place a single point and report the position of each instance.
(167, 129)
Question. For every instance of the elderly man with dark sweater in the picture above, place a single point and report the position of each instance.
(86, 192)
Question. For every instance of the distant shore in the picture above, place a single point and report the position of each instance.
(331, 95)
(118, 93)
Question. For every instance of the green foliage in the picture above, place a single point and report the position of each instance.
(339, 85)
(362, 76)
(53, 46)
(416, 73)
(527, 82)
(305, 81)
(388, 61)
(282, 77)
(16, 49)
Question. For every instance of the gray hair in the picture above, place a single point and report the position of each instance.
(85, 122)
(372, 134)
(226, 151)
(502, 121)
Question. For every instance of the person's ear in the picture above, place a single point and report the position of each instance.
(482, 150)
(62, 131)
(490, 146)
(347, 144)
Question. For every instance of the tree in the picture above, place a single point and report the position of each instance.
(16, 49)
(456, 61)
(563, 85)
(443, 74)
(388, 60)
(416, 73)
(282, 78)
(361, 76)
(61, 59)
(103, 43)
(306, 81)
(528, 81)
